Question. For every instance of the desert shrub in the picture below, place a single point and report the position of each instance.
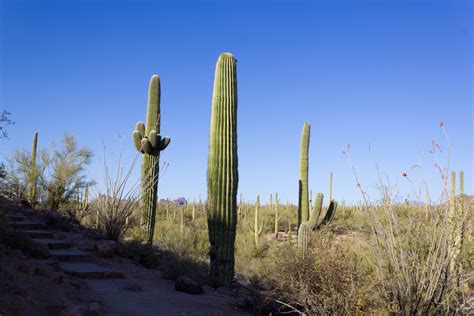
(143, 254)
(330, 279)
(116, 200)
(183, 248)
(415, 258)
(62, 175)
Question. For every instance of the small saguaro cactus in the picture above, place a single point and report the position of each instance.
(289, 232)
(33, 173)
(303, 203)
(306, 228)
(277, 217)
(148, 140)
(85, 198)
(222, 172)
(257, 230)
(239, 210)
(452, 196)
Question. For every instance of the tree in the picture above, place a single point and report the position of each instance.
(63, 176)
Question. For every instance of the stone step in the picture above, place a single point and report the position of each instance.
(27, 225)
(88, 270)
(15, 218)
(71, 254)
(37, 234)
(53, 243)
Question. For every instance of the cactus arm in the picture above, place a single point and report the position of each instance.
(137, 140)
(140, 127)
(318, 204)
(329, 214)
(165, 141)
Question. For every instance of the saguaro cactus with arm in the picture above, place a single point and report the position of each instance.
(148, 141)
(222, 172)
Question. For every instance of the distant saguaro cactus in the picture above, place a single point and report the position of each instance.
(303, 194)
(148, 141)
(257, 230)
(452, 197)
(222, 172)
(33, 175)
(277, 217)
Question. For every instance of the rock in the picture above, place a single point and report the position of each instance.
(40, 251)
(18, 254)
(57, 278)
(86, 244)
(113, 275)
(187, 285)
(106, 248)
(132, 287)
(122, 251)
(27, 268)
(25, 204)
(78, 284)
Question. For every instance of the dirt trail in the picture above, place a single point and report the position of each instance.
(83, 282)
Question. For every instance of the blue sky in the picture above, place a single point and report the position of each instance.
(378, 72)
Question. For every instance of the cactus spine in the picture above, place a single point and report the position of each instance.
(32, 175)
(222, 172)
(148, 141)
(303, 204)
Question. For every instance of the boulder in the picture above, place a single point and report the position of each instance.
(187, 285)
(105, 248)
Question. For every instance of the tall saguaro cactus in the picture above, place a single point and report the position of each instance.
(222, 172)
(303, 196)
(148, 141)
(33, 173)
